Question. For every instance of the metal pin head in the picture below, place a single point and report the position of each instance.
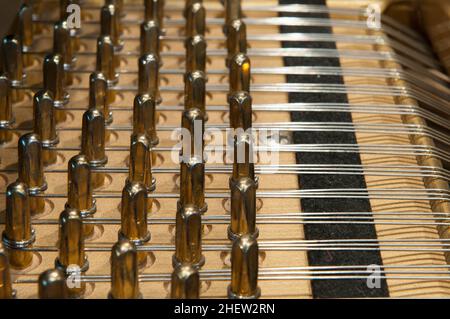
(154, 10)
(71, 241)
(188, 237)
(93, 138)
(52, 285)
(240, 110)
(119, 6)
(195, 91)
(62, 44)
(110, 25)
(233, 11)
(98, 95)
(6, 291)
(12, 59)
(25, 20)
(124, 271)
(243, 208)
(30, 163)
(196, 54)
(141, 161)
(54, 79)
(106, 61)
(243, 164)
(189, 4)
(192, 183)
(195, 20)
(149, 76)
(236, 39)
(150, 42)
(6, 114)
(244, 269)
(239, 73)
(185, 283)
(79, 187)
(44, 119)
(144, 117)
(134, 213)
(193, 124)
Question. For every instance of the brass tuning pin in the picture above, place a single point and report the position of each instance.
(192, 183)
(71, 257)
(239, 73)
(188, 237)
(243, 164)
(236, 39)
(107, 62)
(196, 54)
(93, 143)
(233, 11)
(144, 117)
(6, 290)
(111, 26)
(18, 233)
(193, 123)
(134, 211)
(99, 95)
(150, 42)
(31, 170)
(52, 284)
(154, 10)
(195, 20)
(244, 269)
(6, 114)
(195, 91)
(62, 44)
(118, 4)
(149, 76)
(124, 271)
(25, 30)
(243, 208)
(240, 110)
(13, 64)
(45, 126)
(188, 4)
(79, 190)
(185, 283)
(54, 82)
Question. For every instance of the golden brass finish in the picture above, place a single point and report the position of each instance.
(243, 164)
(52, 285)
(195, 20)
(6, 290)
(193, 125)
(185, 283)
(240, 73)
(150, 42)
(195, 91)
(62, 44)
(196, 54)
(12, 60)
(240, 110)
(6, 113)
(25, 31)
(54, 82)
(144, 117)
(99, 95)
(110, 25)
(236, 39)
(149, 76)
(192, 184)
(106, 60)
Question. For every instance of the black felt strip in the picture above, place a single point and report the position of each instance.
(329, 288)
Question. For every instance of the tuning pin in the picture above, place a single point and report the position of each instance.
(243, 164)
(185, 283)
(134, 211)
(149, 76)
(6, 114)
(6, 290)
(239, 73)
(52, 284)
(196, 54)
(18, 233)
(188, 237)
(44, 125)
(118, 4)
(62, 44)
(193, 123)
(124, 271)
(192, 183)
(13, 65)
(141, 162)
(99, 95)
(244, 269)
(154, 10)
(71, 257)
(93, 143)
(195, 20)
(110, 25)
(144, 117)
(243, 208)
(106, 60)
(150, 42)
(233, 11)
(54, 82)
(79, 190)
(31, 170)
(195, 91)
(236, 39)
(25, 30)
(240, 110)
